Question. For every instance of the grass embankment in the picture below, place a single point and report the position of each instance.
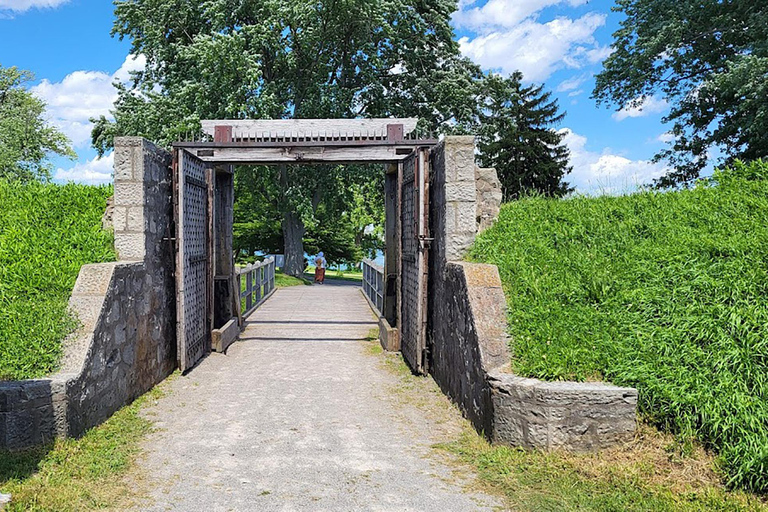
(79, 474)
(667, 292)
(282, 280)
(47, 232)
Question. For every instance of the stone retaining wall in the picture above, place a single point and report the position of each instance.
(467, 329)
(127, 341)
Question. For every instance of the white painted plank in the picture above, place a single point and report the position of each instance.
(307, 127)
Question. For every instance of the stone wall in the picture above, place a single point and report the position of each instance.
(126, 343)
(467, 329)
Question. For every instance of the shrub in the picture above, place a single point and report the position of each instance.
(47, 232)
(667, 292)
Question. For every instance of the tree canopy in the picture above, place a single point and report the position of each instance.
(518, 139)
(709, 60)
(26, 138)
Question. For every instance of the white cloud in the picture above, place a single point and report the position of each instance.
(25, 5)
(642, 107)
(571, 84)
(665, 137)
(82, 95)
(606, 172)
(536, 49)
(495, 14)
(93, 172)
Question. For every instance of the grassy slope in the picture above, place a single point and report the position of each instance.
(667, 292)
(46, 233)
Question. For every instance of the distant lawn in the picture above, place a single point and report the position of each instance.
(47, 232)
(667, 292)
(283, 281)
(344, 275)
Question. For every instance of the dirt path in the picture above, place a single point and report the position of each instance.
(299, 416)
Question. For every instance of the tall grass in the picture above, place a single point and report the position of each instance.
(46, 233)
(667, 292)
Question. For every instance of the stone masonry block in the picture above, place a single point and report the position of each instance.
(128, 193)
(460, 218)
(94, 279)
(130, 246)
(460, 158)
(135, 219)
(87, 309)
(123, 165)
(463, 191)
(120, 218)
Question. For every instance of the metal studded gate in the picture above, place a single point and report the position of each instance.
(414, 232)
(193, 329)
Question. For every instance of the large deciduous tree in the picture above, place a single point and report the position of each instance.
(26, 138)
(518, 138)
(709, 60)
(289, 59)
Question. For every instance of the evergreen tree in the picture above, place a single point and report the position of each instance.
(518, 139)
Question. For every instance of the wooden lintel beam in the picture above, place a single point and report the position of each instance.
(303, 155)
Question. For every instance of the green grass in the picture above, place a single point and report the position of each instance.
(282, 280)
(47, 232)
(667, 292)
(79, 474)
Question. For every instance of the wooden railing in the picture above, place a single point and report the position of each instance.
(373, 284)
(255, 282)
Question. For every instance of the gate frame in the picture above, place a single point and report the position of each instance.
(324, 141)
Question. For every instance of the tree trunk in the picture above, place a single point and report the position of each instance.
(293, 234)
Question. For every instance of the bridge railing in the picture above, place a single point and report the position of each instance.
(255, 282)
(373, 284)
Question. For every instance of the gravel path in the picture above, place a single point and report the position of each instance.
(299, 415)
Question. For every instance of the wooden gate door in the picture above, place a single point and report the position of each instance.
(193, 329)
(414, 232)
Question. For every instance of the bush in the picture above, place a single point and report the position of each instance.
(46, 233)
(667, 292)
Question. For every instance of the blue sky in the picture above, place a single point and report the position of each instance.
(560, 43)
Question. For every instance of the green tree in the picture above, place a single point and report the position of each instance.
(289, 59)
(518, 139)
(709, 60)
(26, 139)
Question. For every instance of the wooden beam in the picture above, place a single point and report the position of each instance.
(308, 128)
(303, 155)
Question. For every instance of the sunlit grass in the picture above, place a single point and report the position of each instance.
(47, 232)
(667, 292)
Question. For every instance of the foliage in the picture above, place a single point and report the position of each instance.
(709, 60)
(78, 474)
(517, 138)
(662, 291)
(47, 232)
(26, 139)
(235, 59)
